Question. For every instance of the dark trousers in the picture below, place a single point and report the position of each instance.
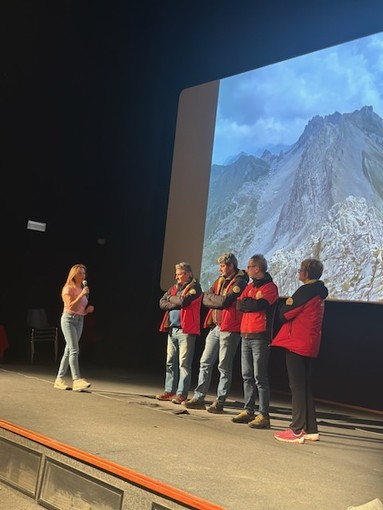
(303, 408)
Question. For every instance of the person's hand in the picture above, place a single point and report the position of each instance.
(84, 292)
(90, 309)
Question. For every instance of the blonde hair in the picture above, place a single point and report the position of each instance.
(72, 273)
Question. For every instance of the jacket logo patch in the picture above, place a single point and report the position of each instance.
(236, 289)
(192, 291)
(258, 295)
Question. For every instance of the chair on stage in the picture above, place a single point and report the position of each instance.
(41, 330)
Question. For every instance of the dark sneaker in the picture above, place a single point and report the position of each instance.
(165, 396)
(260, 422)
(216, 407)
(178, 399)
(290, 437)
(194, 403)
(243, 417)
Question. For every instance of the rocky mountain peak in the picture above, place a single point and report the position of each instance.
(304, 203)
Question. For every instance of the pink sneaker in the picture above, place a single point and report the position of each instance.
(290, 437)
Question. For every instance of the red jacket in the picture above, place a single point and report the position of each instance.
(188, 300)
(256, 304)
(223, 296)
(303, 315)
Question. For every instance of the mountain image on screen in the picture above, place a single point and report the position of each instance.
(321, 197)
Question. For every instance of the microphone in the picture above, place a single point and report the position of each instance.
(85, 286)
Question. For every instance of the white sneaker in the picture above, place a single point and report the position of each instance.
(312, 437)
(80, 385)
(60, 384)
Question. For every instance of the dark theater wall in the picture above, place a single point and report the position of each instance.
(90, 93)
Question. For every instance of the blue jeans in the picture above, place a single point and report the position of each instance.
(254, 360)
(179, 358)
(71, 325)
(222, 345)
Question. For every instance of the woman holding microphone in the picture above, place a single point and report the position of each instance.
(75, 298)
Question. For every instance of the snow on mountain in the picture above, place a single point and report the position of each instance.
(322, 198)
(349, 244)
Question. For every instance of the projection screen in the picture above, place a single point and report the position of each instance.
(285, 160)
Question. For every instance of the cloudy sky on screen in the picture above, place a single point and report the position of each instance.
(271, 105)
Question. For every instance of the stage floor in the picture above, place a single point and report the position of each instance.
(200, 453)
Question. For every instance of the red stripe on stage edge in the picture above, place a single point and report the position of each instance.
(127, 474)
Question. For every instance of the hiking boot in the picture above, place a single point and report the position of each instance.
(194, 403)
(60, 384)
(289, 436)
(243, 417)
(260, 422)
(312, 437)
(216, 407)
(166, 396)
(80, 385)
(178, 399)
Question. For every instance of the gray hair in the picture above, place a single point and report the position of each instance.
(186, 267)
(228, 258)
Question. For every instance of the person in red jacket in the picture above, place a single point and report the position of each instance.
(300, 334)
(182, 305)
(257, 303)
(224, 321)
